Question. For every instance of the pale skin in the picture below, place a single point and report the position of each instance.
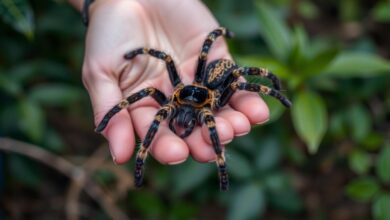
(179, 28)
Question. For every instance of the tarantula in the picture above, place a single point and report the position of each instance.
(192, 105)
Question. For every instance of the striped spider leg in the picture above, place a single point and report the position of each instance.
(206, 116)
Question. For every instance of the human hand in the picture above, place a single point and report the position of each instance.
(178, 28)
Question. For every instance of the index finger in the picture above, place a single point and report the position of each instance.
(104, 94)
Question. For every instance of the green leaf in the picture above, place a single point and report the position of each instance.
(295, 154)
(183, 210)
(275, 66)
(19, 14)
(362, 189)
(337, 123)
(39, 68)
(383, 164)
(247, 143)
(25, 171)
(32, 120)
(55, 94)
(381, 207)
(104, 177)
(149, 204)
(191, 174)
(308, 9)
(247, 203)
(10, 86)
(236, 13)
(238, 166)
(349, 10)
(381, 11)
(360, 122)
(53, 141)
(373, 141)
(309, 118)
(273, 29)
(8, 116)
(275, 108)
(268, 155)
(276, 182)
(319, 62)
(287, 201)
(359, 161)
(297, 56)
(357, 65)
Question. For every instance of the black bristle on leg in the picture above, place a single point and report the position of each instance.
(133, 53)
(206, 116)
(265, 90)
(280, 97)
(229, 34)
(103, 124)
(153, 92)
(255, 71)
(170, 65)
(142, 153)
(223, 177)
(275, 81)
(138, 172)
(202, 60)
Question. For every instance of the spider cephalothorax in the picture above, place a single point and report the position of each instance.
(192, 105)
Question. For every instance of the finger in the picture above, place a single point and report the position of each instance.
(120, 137)
(224, 130)
(238, 121)
(251, 105)
(200, 149)
(169, 148)
(105, 94)
(165, 147)
(200, 144)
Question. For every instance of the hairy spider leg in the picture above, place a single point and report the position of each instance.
(262, 89)
(155, 93)
(173, 75)
(164, 112)
(206, 116)
(225, 97)
(85, 12)
(263, 72)
(212, 36)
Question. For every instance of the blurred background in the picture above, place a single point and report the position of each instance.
(328, 157)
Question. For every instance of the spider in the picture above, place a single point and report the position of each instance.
(194, 104)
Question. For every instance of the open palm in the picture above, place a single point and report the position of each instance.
(177, 27)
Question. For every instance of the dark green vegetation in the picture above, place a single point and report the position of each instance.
(327, 158)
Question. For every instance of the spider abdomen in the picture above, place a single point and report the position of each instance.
(218, 72)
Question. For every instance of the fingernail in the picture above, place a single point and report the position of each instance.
(262, 122)
(228, 141)
(177, 162)
(242, 134)
(112, 156)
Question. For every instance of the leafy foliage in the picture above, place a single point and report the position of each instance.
(19, 14)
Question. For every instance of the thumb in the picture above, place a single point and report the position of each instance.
(105, 93)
